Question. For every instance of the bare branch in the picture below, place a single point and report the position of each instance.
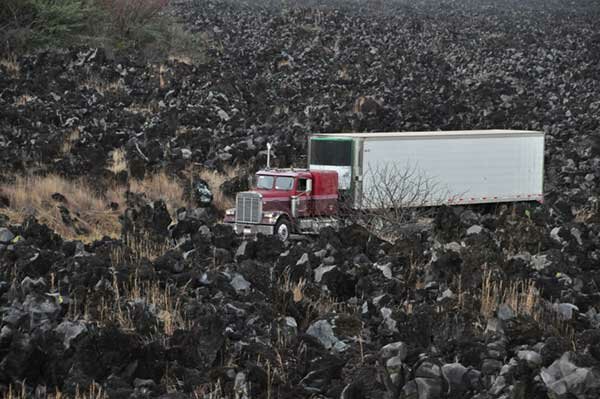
(394, 196)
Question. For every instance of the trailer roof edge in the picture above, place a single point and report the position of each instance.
(489, 132)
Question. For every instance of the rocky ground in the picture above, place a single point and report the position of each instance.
(490, 302)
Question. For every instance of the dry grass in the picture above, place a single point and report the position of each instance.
(183, 130)
(296, 289)
(521, 295)
(161, 186)
(104, 87)
(15, 392)
(11, 65)
(32, 196)
(23, 100)
(138, 247)
(209, 391)
(93, 218)
(94, 391)
(583, 215)
(588, 213)
(181, 59)
(316, 303)
(161, 76)
(118, 161)
(70, 140)
(144, 109)
(523, 298)
(215, 179)
(166, 303)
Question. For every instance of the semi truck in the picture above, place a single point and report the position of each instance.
(465, 167)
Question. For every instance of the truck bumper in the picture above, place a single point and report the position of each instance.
(252, 229)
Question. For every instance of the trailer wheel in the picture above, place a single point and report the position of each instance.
(283, 229)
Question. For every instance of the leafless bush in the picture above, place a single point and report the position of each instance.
(127, 14)
(393, 196)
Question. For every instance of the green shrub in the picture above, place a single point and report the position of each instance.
(121, 25)
(27, 23)
(144, 25)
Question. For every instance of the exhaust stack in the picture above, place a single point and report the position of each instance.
(268, 156)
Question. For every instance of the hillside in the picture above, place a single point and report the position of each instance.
(117, 278)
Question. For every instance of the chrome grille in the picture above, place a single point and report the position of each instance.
(248, 208)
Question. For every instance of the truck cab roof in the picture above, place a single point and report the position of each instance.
(286, 172)
(325, 182)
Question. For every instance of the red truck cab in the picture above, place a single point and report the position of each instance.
(287, 201)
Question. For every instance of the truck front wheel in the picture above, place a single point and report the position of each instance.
(283, 229)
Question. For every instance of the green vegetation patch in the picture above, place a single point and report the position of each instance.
(117, 24)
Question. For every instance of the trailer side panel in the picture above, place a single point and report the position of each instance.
(465, 169)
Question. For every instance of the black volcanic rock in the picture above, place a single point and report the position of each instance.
(214, 314)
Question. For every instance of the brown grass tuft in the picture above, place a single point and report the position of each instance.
(11, 65)
(182, 131)
(94, 391)
(181, 59)
(168, 304)
(70, 140)
(521, 295)
(144, 109)
(161, 186)
(161, 76)
(23, 100)
(165, 301)
(104, 87)
(210, 390)
(138, 247)
(215, 179)
(118, 161)
(588, 213)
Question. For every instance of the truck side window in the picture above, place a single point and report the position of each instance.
(301, 185)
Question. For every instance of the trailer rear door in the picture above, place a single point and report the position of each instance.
(332, 153)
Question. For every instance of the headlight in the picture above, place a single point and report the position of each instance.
(270, 216)
(230, 212)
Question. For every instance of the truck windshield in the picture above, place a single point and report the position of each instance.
(284, 183)
(265, 182)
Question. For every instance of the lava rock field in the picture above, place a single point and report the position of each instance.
(496, 301)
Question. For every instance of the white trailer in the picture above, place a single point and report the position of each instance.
(467, 167)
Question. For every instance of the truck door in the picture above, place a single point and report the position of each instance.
(303, 191)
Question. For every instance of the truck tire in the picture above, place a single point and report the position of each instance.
(283, 228)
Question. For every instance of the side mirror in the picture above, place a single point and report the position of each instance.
(308, 185)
